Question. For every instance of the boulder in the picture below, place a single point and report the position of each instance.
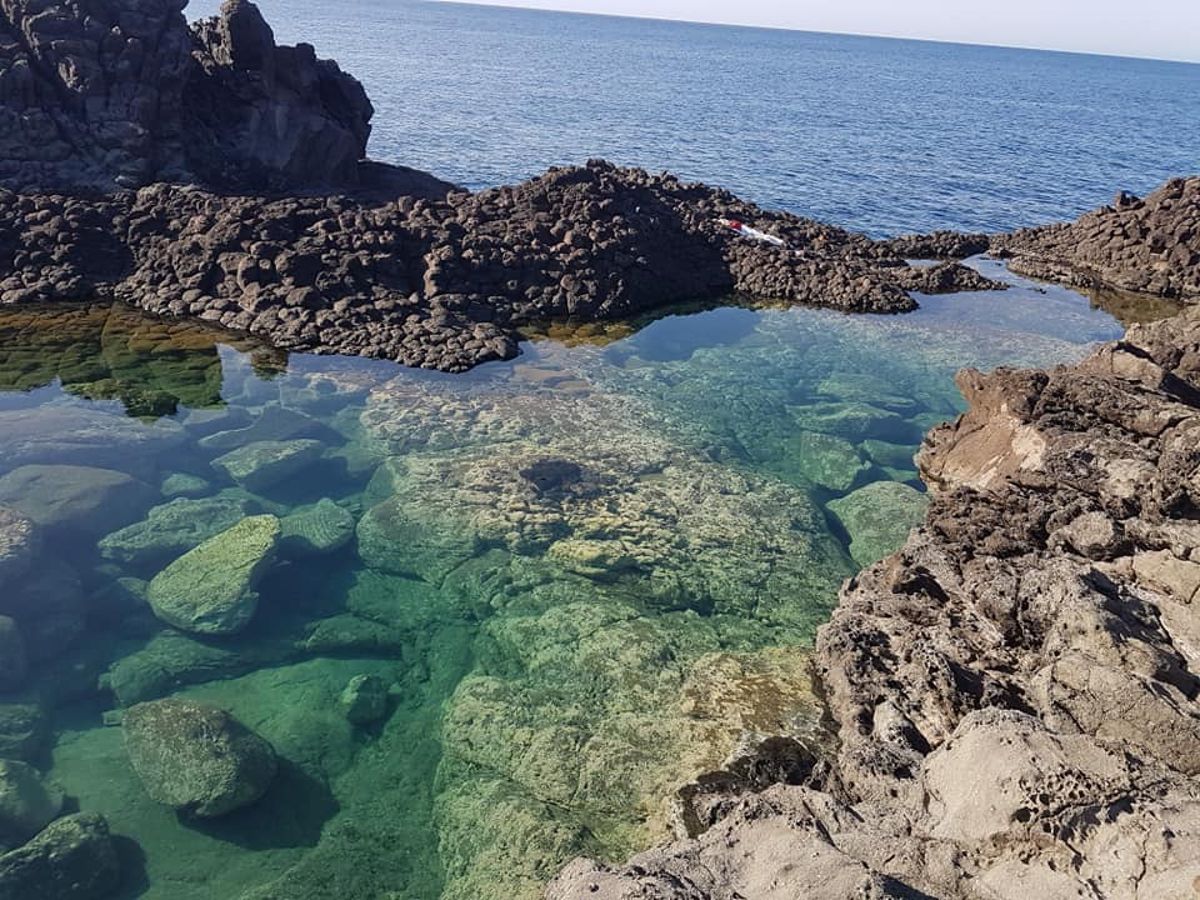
(263, 464)
(824, 459)
(181, 484)
(75, 499)
(878, 518)
(27, 803)
(23, 731)
(73, 858)
(211, 589)
(173, 528)
(321, 528)
(196, 758)
(82, 435)
(365, 699)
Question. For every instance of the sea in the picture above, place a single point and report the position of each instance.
(511, 613)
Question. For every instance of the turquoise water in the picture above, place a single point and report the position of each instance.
(881, 135)
(584, 576)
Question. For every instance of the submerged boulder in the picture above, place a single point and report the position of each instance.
(27, 803)
(174, 528)
(197, 758)
(211, 589)
(321, 528)
(365, 699)
(73, 858)
(13, 661)
(76, 499)
(878, 518)
(263, 464)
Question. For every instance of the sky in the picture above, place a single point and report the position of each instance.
(1159, 29)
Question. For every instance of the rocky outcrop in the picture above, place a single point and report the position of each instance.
(122, 93)
(1016, 693)
(440, 283)
(73, 858)
(197, 758)
(1149, 245)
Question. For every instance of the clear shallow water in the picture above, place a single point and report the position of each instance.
(881, 135)
(586, 575)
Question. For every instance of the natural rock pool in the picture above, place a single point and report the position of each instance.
(487, 622)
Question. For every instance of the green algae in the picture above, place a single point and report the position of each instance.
(582, 579)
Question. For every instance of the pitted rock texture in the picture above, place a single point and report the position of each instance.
(440, 283)
(1015, 693)
(107, 93)
(1149, 245)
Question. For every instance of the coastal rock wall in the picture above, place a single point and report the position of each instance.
(115, 93)
(1016, 693)
(436, 279)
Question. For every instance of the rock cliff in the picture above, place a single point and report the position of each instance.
(95, 95)
(1015, 694)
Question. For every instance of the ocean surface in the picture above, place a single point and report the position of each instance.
(885, 136)
(512, 612)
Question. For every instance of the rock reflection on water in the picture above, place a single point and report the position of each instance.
(575, 580)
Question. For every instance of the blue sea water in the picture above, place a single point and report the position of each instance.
(881, 135)
(585, 575)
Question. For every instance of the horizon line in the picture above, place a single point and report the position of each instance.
(862, 34)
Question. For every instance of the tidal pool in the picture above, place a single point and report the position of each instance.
(586, 575)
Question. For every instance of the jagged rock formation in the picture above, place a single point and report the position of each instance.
(122, 93)
(441, 283)
(1016, 693)
(1150, 246)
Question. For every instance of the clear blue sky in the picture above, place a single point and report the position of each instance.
(1163, 29)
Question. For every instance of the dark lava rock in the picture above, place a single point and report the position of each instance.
(197, 758)
(1149, 246)
(73, 858)
(121, 93)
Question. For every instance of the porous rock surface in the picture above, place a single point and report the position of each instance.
(1149, 245)
(444, 282)
(1015, 692)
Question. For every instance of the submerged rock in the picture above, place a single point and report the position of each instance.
(823, 459)
(73, 858)
(27, 803)
(878, 518)
(181, 484)
(263, 464)
(174, 528)
(13, 664)
(197, 758)
(211, 589)
(365, 699)
(19, 543)
(23, 731)
(79, 499)
(321, 528)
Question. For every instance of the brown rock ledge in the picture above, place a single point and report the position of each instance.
(1015, 692)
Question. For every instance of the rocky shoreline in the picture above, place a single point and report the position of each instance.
(1014, 694)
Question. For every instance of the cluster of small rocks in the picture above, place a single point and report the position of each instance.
(440, 283)
(1149, 245)
(1014, 693)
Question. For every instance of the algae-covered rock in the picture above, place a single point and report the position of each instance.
(23, 730)
(73, 858)
(19, 543)
(50, 608)
(427, 542)
(197, 758)
(365, 699)
(321, 528)
(173, 528)
(854, 421)
(81, 435)
(13, 661)
(181, 484)
(888, 455)
(211, 589)
(822, 459)
(263, 464)
(76, 499)
(27, 803)
(878, 518)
